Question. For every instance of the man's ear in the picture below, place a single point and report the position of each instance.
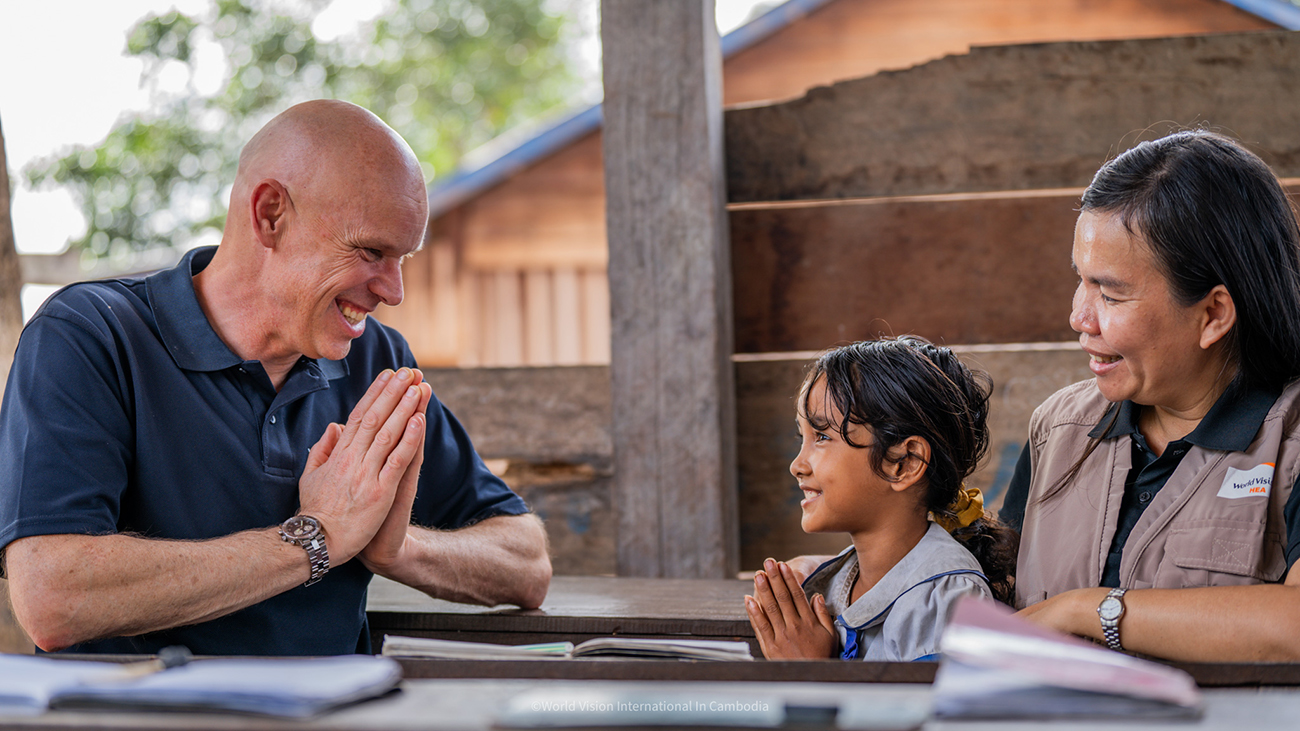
(907, 462)
(1219, 315)
(270, 205)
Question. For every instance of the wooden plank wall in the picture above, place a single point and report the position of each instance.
(957, 270)
(849, 39)
(1025, 117)
(941, 200)
(546, 431)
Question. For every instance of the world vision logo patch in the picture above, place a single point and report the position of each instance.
(1254, 482)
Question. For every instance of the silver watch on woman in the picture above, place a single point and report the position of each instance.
(306, 531)
(1111, 610)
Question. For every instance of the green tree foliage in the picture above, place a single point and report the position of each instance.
(448, 75)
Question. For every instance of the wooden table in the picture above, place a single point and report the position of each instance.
(581, 607)
(473, 705)
(577, 608)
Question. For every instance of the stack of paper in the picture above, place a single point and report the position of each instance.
(684, 649)
(27, 683)
(996, 665)
(296, 688)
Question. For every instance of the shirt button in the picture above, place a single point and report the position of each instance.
(1144, 497)
(272, 418)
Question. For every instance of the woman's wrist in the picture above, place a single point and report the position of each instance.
(1084, 621)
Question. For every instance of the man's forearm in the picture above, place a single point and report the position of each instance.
(68, 589)
(501, 560)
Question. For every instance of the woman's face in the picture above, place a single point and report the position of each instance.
(1144, 346)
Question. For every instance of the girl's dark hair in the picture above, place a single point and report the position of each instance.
(905, 387)
(1211, 212)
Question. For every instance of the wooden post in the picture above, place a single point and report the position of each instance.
(670, 290)
(11, 277)
(12, 638)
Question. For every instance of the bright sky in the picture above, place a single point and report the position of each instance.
(68, 80)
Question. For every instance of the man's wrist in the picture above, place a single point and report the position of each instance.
(308, 533)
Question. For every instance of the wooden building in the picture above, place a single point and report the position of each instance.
(514, 272)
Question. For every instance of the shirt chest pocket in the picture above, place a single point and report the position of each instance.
(1220, 553)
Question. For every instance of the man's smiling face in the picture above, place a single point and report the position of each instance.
(343, 257)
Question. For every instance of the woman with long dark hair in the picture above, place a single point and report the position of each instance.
(1157, 501)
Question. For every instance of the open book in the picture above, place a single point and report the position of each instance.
(290, 687)
(996, 665)
(684, 649)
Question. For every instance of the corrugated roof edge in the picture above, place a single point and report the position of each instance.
(1274, 11)
(462, 185)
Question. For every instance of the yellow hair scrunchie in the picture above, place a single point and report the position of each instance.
(969, 507)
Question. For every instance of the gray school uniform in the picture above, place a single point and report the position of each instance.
(903, 615)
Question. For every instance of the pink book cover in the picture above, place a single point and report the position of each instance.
(987, 635)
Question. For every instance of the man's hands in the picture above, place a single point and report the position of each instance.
(360, 479)
(787, 625)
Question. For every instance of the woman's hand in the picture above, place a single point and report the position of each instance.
(787, 625)
(1073, 611)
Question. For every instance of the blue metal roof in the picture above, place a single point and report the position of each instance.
(465, 184)
(1280, 12)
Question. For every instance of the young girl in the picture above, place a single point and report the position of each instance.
(890, 429)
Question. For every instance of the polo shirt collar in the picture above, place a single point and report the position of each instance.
(185, 330)
(1229, 426)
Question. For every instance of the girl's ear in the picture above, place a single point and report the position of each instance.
(907, 463)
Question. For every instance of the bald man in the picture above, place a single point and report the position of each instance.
(222, 454)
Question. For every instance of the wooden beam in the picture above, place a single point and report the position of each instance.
(1016, 117)
(670, 290)
(556, 415)
(954, 271)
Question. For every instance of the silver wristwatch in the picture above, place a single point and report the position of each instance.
(306, 531)
(1111, 610)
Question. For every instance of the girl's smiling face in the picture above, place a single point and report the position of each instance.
(842, 492)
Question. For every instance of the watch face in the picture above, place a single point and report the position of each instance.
(301, 527)
(1110, 608)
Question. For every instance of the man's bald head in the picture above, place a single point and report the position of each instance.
(325, 149)
(327, 203)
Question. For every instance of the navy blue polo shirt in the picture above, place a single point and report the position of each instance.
(124, 412)
(1229, 426)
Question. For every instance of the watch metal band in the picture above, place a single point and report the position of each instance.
(1110, 626)
(307, 532)
(319, 558)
